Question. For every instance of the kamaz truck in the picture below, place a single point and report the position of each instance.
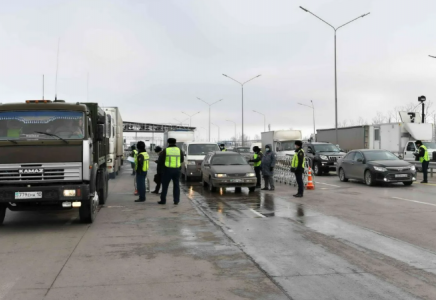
(53, 156)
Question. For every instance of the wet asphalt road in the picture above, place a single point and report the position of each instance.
(341, 241)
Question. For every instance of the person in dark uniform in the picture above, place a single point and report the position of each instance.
(297, 167)
(172, 159)
(424, 158)
(159, 171)
(141, 163)
(223, 147)
(257, 160)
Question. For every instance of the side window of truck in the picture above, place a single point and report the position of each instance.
(411, 146)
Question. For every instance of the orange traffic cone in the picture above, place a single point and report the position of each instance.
(310, 185)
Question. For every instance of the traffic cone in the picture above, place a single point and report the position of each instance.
(310, 185)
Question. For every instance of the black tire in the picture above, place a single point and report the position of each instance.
(2, 213)
(252, 189)
(212, 189)
(369, 179)
(238, 190)
(317, 169)
(103, 190)
(407, 183)
(342, 176)
(88, 211)
(204, 183)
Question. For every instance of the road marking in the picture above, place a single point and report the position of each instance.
(414, 201)
(327, 184)
(257, 214)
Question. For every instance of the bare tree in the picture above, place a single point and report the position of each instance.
(343, 123)
(379, 118)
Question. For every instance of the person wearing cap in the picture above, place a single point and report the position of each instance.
(172, 159)
(257, 160)
(297, 167)
(268, 163)
(423, 158)
(223, 147)
(141, 164)
(133, 154)
(159, 171)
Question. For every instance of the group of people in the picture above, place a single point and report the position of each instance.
(265, 163)
(169, 163)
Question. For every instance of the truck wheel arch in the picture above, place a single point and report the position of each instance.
(93, 181)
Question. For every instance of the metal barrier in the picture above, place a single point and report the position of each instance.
(283, 174)
(432, 165)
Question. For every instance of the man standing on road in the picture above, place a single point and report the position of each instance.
(297, 167)
(159, 171)
(257, 160)
(133, 154)
(423, 158)
(268, 164)
(141, 163)
(172, 159)
(223, 147)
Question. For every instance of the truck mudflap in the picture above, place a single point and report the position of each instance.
(44, 194)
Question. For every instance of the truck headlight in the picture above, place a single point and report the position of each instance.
(412, 168)
(324, 157)
(220, 175)
(69, 193)
(250, 174)
(191, 162)
(380, 169)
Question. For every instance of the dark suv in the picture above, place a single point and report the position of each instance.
(322, 156)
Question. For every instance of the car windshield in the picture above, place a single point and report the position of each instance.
(228, 160)
(243, 150)
(380, 155)
(326, 148)
(429, 145)
(41, 125)
(202, 149)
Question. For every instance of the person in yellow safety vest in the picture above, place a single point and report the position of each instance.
(257, 160)
(297, 167)
(171, 158)
(424, 158)
(133, 154)
(141, 166)
(223, 147)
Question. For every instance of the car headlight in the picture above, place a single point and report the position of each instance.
(324, 157)
(380, 169)
(220, 175)
(250, 174)
(412, 168)
(191, 162)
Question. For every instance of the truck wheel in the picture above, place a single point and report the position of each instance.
(88, 210)
(2, 213)
(103, 190)
(369, 179)
(317, 169)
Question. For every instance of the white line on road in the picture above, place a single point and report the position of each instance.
(256, 213)
(414, 201)
(327, 184)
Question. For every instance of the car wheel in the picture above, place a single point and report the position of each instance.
(238, 189)
(2, 213)
(369, 179)
(407, 183)
(211, 187)
(342, 176)
(252, 189)
(203, 182)
(317, 169)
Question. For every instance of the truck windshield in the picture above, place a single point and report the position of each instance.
(287, 146)
(41, 125)
(380, 155)
(326, 148)
(429, 145)
(202, 149)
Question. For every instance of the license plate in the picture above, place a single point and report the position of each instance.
(236, 180)
(28, 195)
(400, 175)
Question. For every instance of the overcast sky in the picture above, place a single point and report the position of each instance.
(153, 58)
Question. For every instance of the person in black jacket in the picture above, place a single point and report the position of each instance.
(298, 167)
(159, 171)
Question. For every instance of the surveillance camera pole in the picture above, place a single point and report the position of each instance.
(422, 100)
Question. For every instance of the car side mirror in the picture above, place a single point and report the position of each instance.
(100, 132)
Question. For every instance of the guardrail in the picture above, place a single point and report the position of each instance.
(432, 165)
(283, 174)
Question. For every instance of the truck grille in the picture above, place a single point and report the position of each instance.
(40, 172)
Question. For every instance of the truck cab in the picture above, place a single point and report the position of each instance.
(411, 148)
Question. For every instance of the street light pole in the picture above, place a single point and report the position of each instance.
(210, 104)
(336, 81)
(242, 87)
(190, 116)
(264, 120)
(218, 131)
(235, 129)
(313, 110)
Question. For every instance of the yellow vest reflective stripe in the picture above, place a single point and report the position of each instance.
(135, 153)
(146, 160)
(224, 150)
(256, 164)
(296, 160)
(172, 159)
(426, 157)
